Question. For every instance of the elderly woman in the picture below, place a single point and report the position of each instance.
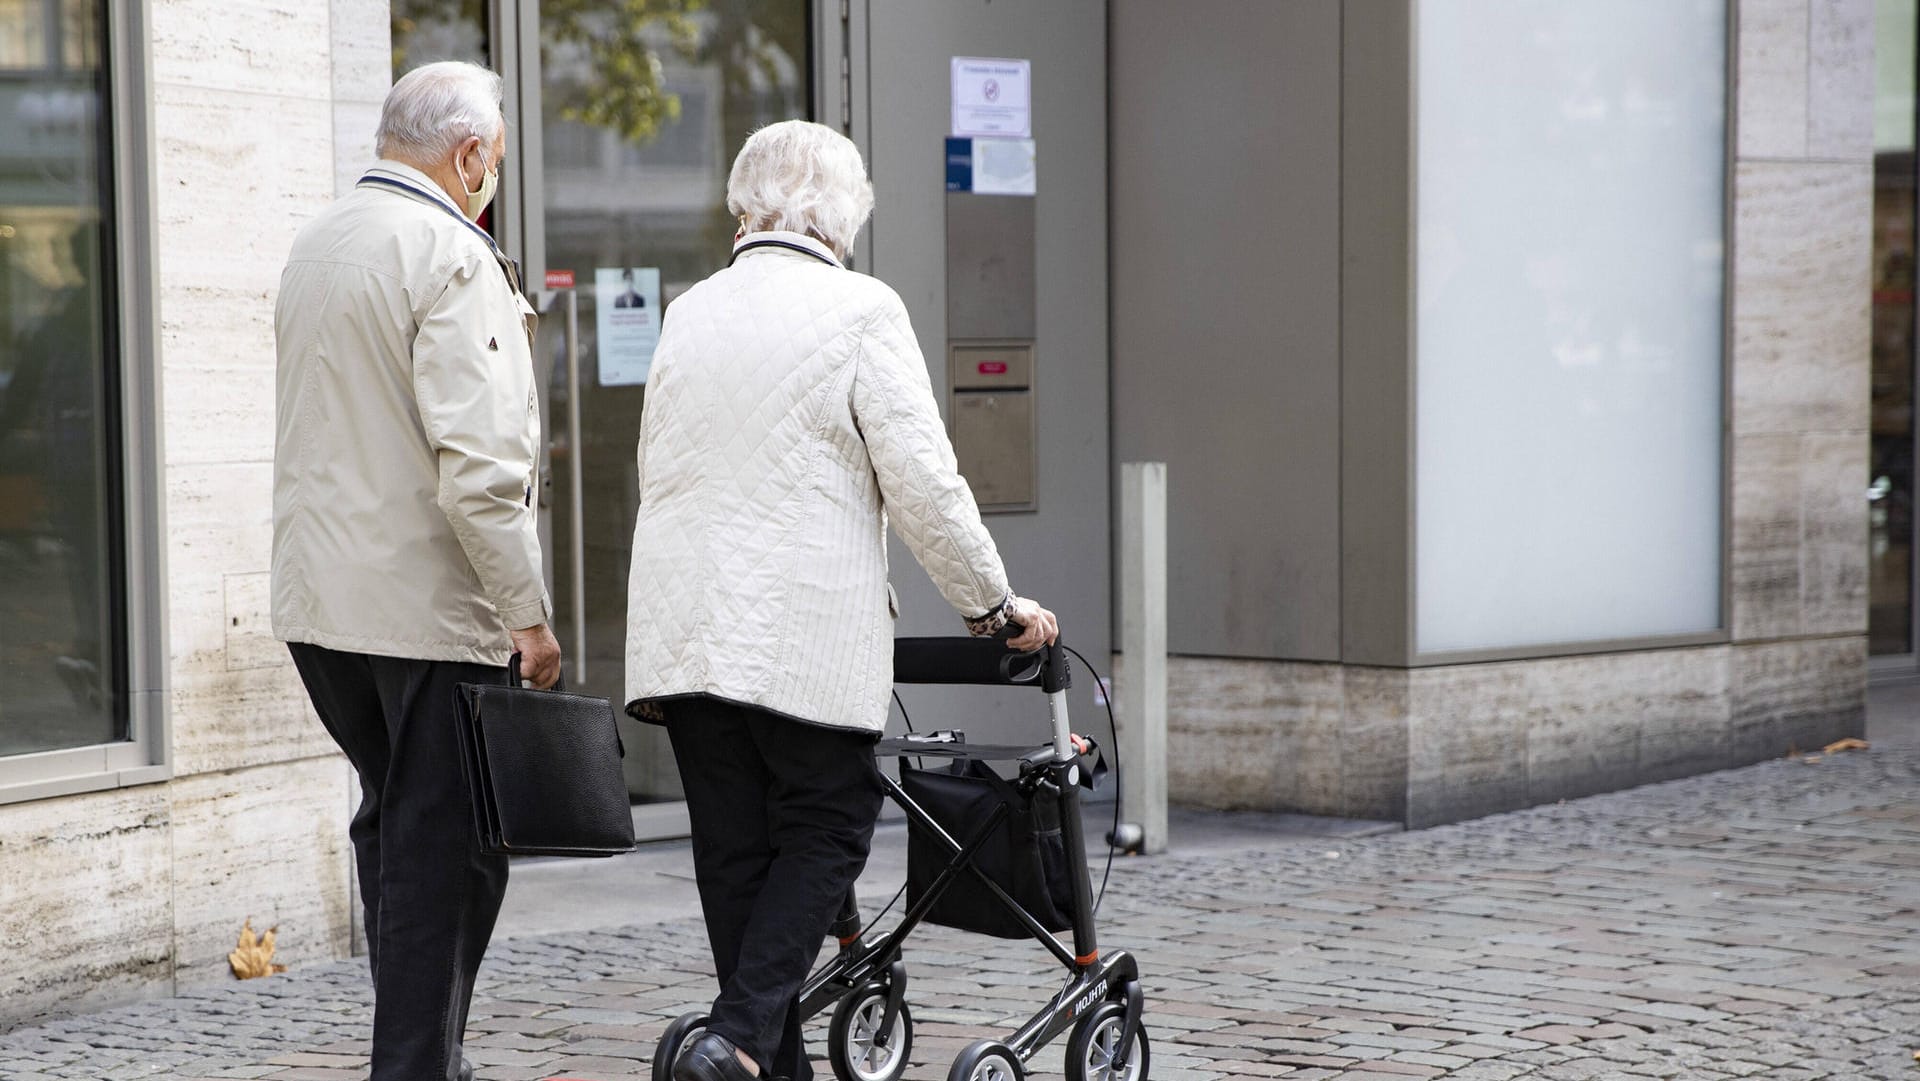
(789, 417)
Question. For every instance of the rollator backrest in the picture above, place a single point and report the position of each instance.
(984, 662)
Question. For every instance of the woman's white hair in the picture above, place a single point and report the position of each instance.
(436, 107)
(801, 177)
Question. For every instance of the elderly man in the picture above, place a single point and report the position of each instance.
(405, 554)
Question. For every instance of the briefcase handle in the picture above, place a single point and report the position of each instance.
(560, 684)
(513, 674)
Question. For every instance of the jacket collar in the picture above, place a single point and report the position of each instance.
(778, 242)
(389, 174)
(403, 178)
(411, 183)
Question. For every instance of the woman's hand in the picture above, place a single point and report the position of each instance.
(1039, 627)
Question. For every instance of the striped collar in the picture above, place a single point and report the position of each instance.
(414, 184)
(399, 176)
(776, 239)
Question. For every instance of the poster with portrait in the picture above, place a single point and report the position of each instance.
(627, 308)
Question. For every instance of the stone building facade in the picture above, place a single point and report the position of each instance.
(252, 114)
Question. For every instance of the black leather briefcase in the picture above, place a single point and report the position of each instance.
(544, 770)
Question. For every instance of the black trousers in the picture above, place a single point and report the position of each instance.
(431, 895)
(782, 815)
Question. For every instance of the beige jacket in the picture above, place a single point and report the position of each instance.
(404, 462)
(789, 417)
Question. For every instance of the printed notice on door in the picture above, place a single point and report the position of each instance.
(993, 98)
(627, 304)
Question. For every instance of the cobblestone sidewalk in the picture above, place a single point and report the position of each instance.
(1756, 923)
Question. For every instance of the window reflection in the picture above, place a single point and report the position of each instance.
(23, 33)
(427, 31)
(59, 661)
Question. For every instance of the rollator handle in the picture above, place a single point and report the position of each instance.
(981, 662)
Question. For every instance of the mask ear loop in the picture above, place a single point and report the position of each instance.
(462, 173)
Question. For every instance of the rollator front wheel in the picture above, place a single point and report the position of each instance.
(680, 1035)
(987, 1060)
(853, 1037)
(1095, 1043)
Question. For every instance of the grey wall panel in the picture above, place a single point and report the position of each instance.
(1376, 269)
(1226, 310)
(1059, 553)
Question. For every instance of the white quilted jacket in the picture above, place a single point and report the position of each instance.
(788, 416)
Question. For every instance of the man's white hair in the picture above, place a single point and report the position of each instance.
(801, 177)
(436, 107)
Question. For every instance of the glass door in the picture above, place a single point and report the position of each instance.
(622, 123)
(639, 116)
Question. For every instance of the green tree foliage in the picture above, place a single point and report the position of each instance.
(620, 41)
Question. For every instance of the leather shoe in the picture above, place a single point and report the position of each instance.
(711, 1057)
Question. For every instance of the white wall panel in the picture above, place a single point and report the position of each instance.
(1570, 276)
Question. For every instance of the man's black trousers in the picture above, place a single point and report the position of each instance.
(782, 814)
(431, 896)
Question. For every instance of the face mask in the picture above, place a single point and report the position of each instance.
(477, 200)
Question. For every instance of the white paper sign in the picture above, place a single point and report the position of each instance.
(627, 310)
(992, 97)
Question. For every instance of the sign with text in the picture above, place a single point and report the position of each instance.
(627, 309)
(992, 97)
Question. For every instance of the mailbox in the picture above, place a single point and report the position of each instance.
(992, 419)
(990, 347)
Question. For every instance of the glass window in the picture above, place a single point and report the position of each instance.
(426, 31)
(62, 666)
(1890, 491)
(1571, 198)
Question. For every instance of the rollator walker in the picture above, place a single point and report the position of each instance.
(870, 1034)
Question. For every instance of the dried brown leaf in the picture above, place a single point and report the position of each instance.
(252, 957)
(1848, 744)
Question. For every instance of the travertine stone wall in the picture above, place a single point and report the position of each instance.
(1802, 245)
(89, 914)
(1802, 242)
(362, 72)
(1483, 738)
(121, 894)
(1428, 745)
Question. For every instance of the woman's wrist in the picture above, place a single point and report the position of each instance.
(995, 618)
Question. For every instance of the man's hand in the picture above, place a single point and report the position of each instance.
(1039, 626)
(539, 656)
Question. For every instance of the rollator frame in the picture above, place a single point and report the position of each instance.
(1046, 772)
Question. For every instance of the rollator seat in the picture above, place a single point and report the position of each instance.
(990, 752)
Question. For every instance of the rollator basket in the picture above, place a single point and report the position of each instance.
(1025, 855)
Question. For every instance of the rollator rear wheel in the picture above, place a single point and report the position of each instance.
(1095, 1042)
(987, 1060)
(677, 1038)
(852, 1046)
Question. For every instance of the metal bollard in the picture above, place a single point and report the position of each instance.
(1140, 697)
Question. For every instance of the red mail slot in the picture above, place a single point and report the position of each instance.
(993, 367)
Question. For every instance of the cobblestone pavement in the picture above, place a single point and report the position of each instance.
(1755, 923)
